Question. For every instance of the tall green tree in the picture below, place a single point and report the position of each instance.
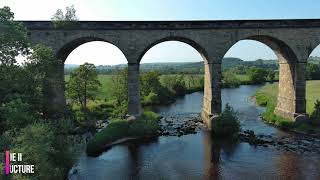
(83, 84)
(13, 42)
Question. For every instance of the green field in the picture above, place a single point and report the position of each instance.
(312, 92)
(105, 91)
(106, 86)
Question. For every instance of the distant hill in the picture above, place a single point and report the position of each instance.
(189, 67)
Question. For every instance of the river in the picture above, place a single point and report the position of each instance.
(197, 156)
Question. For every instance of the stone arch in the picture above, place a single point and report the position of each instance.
(68, 47)
(279, 47)
(188, 41)
(55, 91)
(291, 93)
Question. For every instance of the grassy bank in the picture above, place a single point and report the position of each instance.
(145, 126)
(267, 96)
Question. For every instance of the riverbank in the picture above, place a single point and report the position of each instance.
(267, 97)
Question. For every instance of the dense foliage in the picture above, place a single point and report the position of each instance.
(227, 124)
(25, 127)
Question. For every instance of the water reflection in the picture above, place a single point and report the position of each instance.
(199, 156)
(213, 148)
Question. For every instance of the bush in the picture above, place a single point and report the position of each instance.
(315, 116)
(261, 99)
(16, 114)
(230, 80)
(96, 110)
(47, 146)
(146, 125)
(227, 124)
(151, 98)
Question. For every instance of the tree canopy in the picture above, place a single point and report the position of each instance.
(83, 84)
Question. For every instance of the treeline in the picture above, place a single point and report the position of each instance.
(254, 75)
(234, 65)
(156, 88)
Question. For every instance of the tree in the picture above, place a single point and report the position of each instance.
(313, 71)
(149, 82)
(67, 20)
(13, 38)
(83, 84)
(257, 75)
(13, 42)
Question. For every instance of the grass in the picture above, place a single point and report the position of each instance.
(144, 126)
(312, 93)
(267, 96)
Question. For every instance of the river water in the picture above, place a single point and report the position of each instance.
(198, 156)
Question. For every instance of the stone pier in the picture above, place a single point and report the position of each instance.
(134, 104)
(212, 93)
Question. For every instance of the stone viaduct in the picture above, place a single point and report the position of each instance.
(291, 40)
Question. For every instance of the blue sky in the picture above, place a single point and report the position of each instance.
(102, 53)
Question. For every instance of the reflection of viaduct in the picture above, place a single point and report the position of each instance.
(291, 40)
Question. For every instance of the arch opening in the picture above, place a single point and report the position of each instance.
(106, 58)
(183, 41)
(171, 68)
(288, 94)
(102, 59)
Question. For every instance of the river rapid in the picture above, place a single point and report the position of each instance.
(198, 156)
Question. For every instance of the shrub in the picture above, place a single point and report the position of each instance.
(146, 125)
(227, 124)
(230, 80)
(315, 116)
(47, 146)
(17, 114)
(151, 98)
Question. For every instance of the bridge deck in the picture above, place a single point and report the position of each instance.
(142, 25)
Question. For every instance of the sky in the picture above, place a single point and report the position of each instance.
(104, 53)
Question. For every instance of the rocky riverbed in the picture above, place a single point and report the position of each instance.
(179, 125)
